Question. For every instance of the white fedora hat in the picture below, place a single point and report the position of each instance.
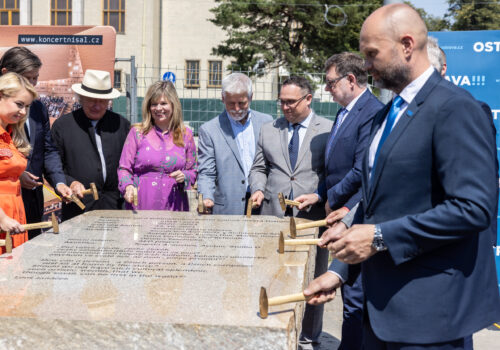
(96, 84)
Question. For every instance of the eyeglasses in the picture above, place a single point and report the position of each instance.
(291, 103)
(330, 84)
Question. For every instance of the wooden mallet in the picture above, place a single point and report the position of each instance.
(7, 242)
(250, 206)
(201, 206)
(284, 202)
(265, 302)
(283, 242)
(135, 200)
(46, 224)
(77, 201)
(92, 190)
(297, 227)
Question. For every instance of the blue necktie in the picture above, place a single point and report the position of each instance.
(391, 117)
(338, 122)
(293, 146)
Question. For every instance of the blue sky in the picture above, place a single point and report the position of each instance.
(433, 7)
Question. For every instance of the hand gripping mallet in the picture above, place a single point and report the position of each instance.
(283, 242)
(45, 224)
(92, 190)
(297, 227)
(265, 302)
(284, 202)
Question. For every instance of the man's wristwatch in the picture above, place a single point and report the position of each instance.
(378, 241)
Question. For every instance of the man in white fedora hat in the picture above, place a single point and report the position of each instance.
(90, 141)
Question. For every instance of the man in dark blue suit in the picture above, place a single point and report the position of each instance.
(43, 160)
(346, 80)
(428, 193)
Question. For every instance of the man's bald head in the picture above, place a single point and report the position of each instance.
(394, 39)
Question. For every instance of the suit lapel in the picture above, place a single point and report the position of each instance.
(377, 122)
(227, 134)
(410, 114)
(32, 135)
(282, 124)
(304, 147)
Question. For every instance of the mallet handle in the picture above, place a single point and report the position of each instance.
(290, 202)
(318, 223)
(284, 299)
(312, 241)
(46, 224)
(77, 201)
(87, 191)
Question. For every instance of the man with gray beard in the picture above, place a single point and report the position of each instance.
(226, 149)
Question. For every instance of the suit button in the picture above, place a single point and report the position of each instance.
(368, 216)
(243, 181)
(292, 178)
(243, 199)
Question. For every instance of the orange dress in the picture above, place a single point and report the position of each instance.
(12, 165)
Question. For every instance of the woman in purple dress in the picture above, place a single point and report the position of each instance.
(159, 155)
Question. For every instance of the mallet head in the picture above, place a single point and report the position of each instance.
(281, 199)
(94, 191)
(263, 304)
(293, 228)
(55, 223)
(281, 244)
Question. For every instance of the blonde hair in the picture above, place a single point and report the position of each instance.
(176, 124)
(10, 85)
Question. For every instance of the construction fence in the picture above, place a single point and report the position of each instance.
(200, 92)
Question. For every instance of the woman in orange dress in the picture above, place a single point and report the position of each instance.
(16, 94)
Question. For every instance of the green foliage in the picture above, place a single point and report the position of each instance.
(289, 33)
(474, 15)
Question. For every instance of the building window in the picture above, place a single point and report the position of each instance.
(117, 79)
(9, 12)
(114, 14)
(60, 12)
(214, 73)
(192, 74)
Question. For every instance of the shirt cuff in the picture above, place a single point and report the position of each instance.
(336, 274)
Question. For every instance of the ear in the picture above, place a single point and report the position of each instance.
(408, 44)
(4, 70)
(351, 79)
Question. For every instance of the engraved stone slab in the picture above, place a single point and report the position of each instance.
(151, 280)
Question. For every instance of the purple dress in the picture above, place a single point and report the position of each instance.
(147, 161)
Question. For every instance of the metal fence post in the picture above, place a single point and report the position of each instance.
(133, 91)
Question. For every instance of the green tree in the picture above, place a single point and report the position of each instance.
(474, 15)
(288, 33)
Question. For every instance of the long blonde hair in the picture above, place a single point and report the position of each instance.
(11, 84)
(176, 124)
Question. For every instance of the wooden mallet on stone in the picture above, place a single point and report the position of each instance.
(46, 224)
(7, 242)
(265, 302)
(92, 190)
(297, 227)
(284, 202)
(283, 242)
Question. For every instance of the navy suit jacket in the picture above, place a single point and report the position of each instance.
(43, 160)
(432, 193)
(345, 158)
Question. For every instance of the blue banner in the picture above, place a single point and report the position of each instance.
(473, 60)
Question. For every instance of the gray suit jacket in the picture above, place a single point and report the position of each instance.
(220, 170)
(271, 172)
